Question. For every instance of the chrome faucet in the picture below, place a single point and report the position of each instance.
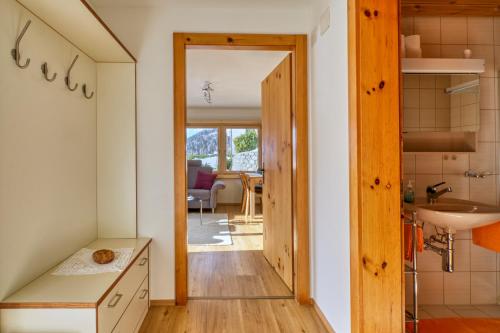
(433, 194)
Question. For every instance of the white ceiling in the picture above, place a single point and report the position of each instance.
(200, 3)
(236, 76)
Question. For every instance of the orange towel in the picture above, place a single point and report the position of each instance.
(487, 237)
(409, 241)
(456, 325)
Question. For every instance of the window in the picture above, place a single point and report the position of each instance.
(203, 144)
(242, 149)
(231, 148)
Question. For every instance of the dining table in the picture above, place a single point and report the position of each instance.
(254, 179)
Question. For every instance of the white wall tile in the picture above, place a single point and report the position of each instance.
(428, 261)
(407, 26)
(427, 81)
(429, 163)
(453, 51)
(408, 163)
(487, 125)
(467, 311)
(411, 81)
(431, 288)
(487, 93)
(427, 98)
(456, 288)
(484, 157)
(411, 98)
(463, 234)
(429, 29)
(486, 52)
(439, 311)
(482, 260)
(443, 118)
(411, 118)
(431, 50)
(496, 31)
(497, 60)
(442, 99)
(462, 255)
(428, 117)
(455, 163)
(484, 190)
(454, 35)
(480, 30)
(483, 287)
(453, 30)
(459, 185)
(492, 311)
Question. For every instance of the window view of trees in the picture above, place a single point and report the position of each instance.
(242, 152)
(241, 146)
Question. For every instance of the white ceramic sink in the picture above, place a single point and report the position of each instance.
(454, 214)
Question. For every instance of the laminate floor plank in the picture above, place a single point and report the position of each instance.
(237, 270)
(234, 316)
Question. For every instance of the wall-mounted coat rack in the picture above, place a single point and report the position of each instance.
(84, 88)
(68, 75)
(16, 54)
(45, 71)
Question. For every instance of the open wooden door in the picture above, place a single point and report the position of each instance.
(277, 162)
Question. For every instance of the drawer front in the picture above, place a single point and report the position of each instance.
(115, 303)
(132, 318)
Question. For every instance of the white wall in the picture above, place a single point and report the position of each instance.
(47, 152)
(329, 168)
(116, 151)
(149, 36)
(223, 114)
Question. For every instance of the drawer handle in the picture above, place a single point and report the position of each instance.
(143, 261)
(144, 294)
(114, 301)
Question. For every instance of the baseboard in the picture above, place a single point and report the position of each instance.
(162, 302)
(322, 317)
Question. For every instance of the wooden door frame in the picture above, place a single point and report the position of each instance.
(377, 279)
(297, 44)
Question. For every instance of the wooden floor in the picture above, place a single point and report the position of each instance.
(237, 270)
(233, 316)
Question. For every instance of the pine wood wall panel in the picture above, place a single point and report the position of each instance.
(451, 7)
(374, 81)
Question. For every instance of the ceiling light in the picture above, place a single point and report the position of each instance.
(207, 91)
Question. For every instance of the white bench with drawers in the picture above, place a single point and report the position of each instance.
(99, 303)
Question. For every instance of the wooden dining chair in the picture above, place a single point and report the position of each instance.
(245, 194)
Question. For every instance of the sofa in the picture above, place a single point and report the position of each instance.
(209, 197)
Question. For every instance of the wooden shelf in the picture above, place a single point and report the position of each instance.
(77, 291)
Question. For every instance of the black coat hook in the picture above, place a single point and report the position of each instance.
(45, 71)
(84, 88)
(68, 77)
(15, 51)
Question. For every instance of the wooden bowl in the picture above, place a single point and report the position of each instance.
(103, 256)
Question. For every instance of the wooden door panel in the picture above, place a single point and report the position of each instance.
(277, 158)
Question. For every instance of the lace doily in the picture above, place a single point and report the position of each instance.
(81, 263)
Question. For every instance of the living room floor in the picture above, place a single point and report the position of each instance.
(237, 270)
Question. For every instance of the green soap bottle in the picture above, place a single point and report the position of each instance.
(409, 195)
